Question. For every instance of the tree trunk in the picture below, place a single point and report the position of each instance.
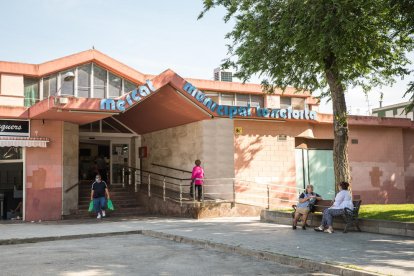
(340, 121)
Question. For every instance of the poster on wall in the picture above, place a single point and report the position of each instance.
(15, 128)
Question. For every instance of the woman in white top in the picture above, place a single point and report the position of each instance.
(343, 200)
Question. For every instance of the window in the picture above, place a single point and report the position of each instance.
(256, 101)
(242, 99)
(67, 86)
(298, 103)
(285, 102)
(31, 91)
(129, 86)
(226, 76)
(10, 153)
(84, 80)
(115, 86)
(49, 86)
(213, 96)
(99, 82)
(227, 99)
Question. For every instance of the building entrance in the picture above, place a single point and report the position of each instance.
(11, 183)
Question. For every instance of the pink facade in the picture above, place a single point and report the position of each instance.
(44, 173)
(381, 151)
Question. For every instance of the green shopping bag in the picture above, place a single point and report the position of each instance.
(110, 205)
(90, 206)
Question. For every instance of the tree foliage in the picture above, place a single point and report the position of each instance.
(318, 45)
(288, 42)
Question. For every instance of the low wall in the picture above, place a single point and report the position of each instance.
(157, 206)
(366, 225)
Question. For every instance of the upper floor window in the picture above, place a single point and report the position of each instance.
(227, 99)
(67, 85)
(31, 91)
(84, 80)
(285, 102)
(89, 81)
(49, 86)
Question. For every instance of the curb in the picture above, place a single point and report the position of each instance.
(275, 257)
(68, 237)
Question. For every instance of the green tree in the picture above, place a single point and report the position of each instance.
(404, 11)
(319, 45)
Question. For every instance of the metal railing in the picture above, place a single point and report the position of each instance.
(231, 190)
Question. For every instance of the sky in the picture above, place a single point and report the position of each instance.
(149, 36)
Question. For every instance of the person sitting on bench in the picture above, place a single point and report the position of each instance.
(343, 199)
(303, 206)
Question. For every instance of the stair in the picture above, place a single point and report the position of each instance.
(124, 199)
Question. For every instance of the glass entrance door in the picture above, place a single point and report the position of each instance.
(119, 159)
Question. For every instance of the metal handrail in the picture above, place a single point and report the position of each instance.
(154, 173)
(71, 187)
(171, 168)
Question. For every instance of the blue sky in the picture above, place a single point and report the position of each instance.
(149, 36)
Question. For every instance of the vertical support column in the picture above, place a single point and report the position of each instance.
(149, 185)
(268, 197)
(123, 177)
(163, 188)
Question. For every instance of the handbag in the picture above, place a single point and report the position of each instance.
(110, 205)
(91, 208)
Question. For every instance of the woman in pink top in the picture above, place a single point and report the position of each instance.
(196, 179)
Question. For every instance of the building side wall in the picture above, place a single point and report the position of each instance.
(44, 173)
(211, 141)
(377, 164)
(70, 167)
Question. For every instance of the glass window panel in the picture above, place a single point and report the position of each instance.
(129, 86)
(213, 96)
(298, 103)
(92, 127)
(242, 99)
(99, 82)
(115, 86)
(84, 80)
(257, 100)
(285, 102)
(10, 153)
(67, 86)
(227, 99)
(49, 86)
(31, 91)
(46, 90)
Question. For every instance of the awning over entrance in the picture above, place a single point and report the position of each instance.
(23, 142)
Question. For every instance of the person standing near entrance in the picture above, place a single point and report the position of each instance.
(98, 192)
(197, 179)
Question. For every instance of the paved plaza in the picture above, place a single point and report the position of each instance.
(365, 252)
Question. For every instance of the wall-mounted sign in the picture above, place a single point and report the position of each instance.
(132, 97)
(15, 128)
(246, 111)
(238, 130)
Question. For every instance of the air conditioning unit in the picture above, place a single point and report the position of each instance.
(61, 100)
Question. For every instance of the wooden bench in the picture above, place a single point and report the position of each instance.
(350, 217)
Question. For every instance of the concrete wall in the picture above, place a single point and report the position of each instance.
(211, 141)
(377, 164)
(44, 173)
(382, 163)
(11, 85)
(70, 167)
(262, 158)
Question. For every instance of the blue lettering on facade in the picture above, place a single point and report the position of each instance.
(139, 93)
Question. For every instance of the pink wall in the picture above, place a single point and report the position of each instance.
(44, 173)
(382, 163)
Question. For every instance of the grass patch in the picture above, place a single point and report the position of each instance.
(394, 212)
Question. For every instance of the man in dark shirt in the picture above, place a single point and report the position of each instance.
(98, 192)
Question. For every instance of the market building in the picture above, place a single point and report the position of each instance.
(60, 119)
